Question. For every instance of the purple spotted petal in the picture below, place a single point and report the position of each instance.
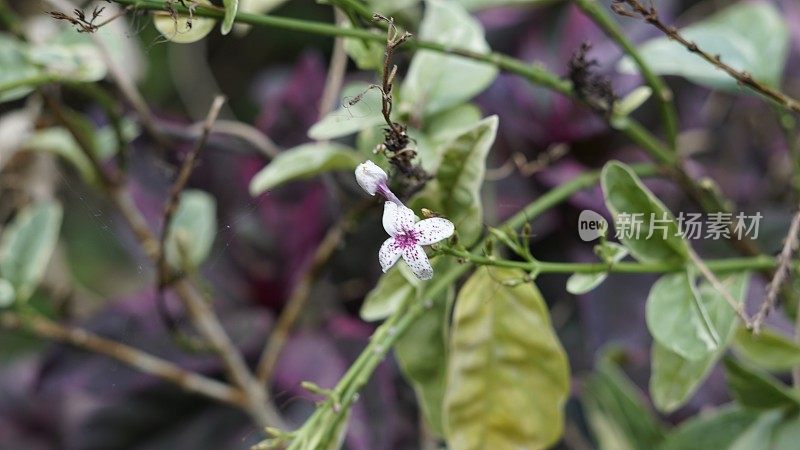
(397, 218)
(430, 231)
(417, 260)
(389, 253)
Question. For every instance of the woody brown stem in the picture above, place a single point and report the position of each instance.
(137, 359)
(650, 15)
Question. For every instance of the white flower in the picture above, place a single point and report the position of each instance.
(370, 177)
(408, 237)
(373, 179)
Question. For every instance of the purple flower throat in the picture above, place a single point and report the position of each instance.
(406, 239)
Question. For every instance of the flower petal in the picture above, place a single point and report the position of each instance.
(397, 218)
(430, 231)
(389, 254)
(371, 177)
(418, 261)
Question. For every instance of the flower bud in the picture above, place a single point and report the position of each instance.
(370, 177)
(374, 180)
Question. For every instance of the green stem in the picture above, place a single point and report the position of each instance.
(384, 338)
(788, 125)
(9, 19)
(715, 265)
(663, 94)
(31, 82)
(562, 192)
(386, 335)
(534, 73)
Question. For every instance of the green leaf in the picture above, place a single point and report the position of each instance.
(255, 7)
(73, 62)
(767, 349)
(677, 318)
(15, 68)
(714, 430)
(421, 351)
(770, 430)
(125, 52)
(183, 29)
(387, 7)
(632, 101)
(367, 54)
(59, 141)
(759, 434)
(303, 162)
(452, 122)
(192, 230)
(422, 354)
(360, 109)
(625, 194)
(617, 411)
(751, 37)
(24, 66)
(481, 4)
(6, 293)
(507, 375)
(675, 378)
(435, 81)
(787, 433)
(396, 287)
(26, 246)
(755, 389)
(581, 283)
(259, 6)
(231, 8)
(392, 291)
(455, 190)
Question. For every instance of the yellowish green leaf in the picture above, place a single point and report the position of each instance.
(507, 376)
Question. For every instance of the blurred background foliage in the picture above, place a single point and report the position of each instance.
(53, 396)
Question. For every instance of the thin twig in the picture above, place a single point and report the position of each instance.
(204, 318)
(247, 133)
(137, 359)
(122, 79)
(234, 128)
(167, 274)
(300, 295)
(393, 40)
(179, 185)
(781, 273)
(200, 312)
(336, 71)
(527, 168)
(535, 73)
(301, 291)
(108, 180)
(202, 315)
(664, 97)
(738, 307)
(131, 94)
(208, 324)
(650, 15)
